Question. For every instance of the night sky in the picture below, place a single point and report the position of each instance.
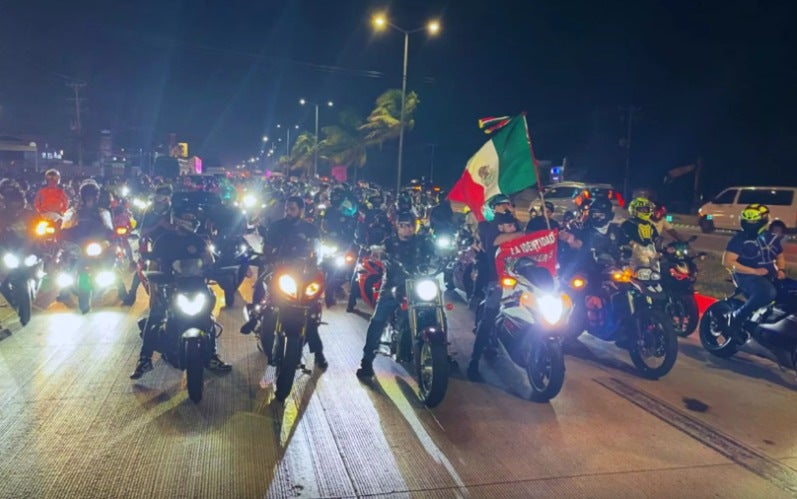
(716, 81)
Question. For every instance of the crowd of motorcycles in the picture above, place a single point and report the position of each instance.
(642, 311)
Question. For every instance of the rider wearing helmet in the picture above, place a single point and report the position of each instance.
(663, 226)
(17, 217)
(51, 198)
(181, 243)
(639, 229)
(755, 257)
(89, 214)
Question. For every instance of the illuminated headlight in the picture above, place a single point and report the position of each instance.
(31, 260)
(312, 289)
(212, 248)
(64, 281)
(190, 306)
(125, 191)
(105, 278)
(551, 307)
(340, 261)
(140, 203)
(426, 289)
(249, 201)
(10, 261)
(93, 249)
(287, 285)
(325, 250)
(443, 242)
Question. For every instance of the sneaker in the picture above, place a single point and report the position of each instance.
(216, 364)
(366, 370)
(249, 325)
(473, 373)
(144, 366)
(321, 361)
(350, 309)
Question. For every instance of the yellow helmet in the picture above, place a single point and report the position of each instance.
(641, 208)
(754, 218)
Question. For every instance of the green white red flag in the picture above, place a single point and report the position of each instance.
(505, 164)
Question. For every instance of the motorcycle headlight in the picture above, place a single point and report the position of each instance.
(443, 242)
(42, 228)
(325, 250)
(64, 281)
(312, 289)
(426, 289)
(140, 203)
(191, 306)
(31, 260)
(249, 201)
(105, 278)
(551, 308)
(287, 285)
(340, 261)
(93, 249)
(10, 260)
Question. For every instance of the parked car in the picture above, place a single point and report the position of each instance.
(723, 211)
(568, 196)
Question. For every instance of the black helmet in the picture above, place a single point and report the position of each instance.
(404, 202)
(498, 199)
(184, 217)
(405, 217)
(89, 190)
(600, 212)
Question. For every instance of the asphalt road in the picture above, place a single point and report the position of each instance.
(73, 425)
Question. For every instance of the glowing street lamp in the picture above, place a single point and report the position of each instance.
(381, 22)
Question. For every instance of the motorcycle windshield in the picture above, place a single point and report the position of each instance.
(190, 267)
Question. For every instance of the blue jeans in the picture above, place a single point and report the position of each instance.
(490, 309)
(759, 291)
(385, 306)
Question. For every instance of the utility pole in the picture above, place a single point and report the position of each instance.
(78, 127)
(628, 115)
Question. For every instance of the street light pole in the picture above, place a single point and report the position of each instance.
(403, 105)
(315, 149)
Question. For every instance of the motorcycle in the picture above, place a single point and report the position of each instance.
(90, 266)
(627, 307)
(418, 334)
(461, 272)
(771, 331)
(23, 271)
(183, 335)
(45, 235)
(370, 270)
(531, 325)
(679, 273)
(291, 305)
(235, 255)
(338, 265)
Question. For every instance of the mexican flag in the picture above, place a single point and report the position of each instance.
(505, 164)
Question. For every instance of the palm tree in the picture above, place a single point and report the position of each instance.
(343, 143)
(301, 157)
(384, 122)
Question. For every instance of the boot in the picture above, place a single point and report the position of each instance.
(366, 370)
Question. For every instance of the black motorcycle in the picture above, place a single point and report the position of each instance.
(290, 306)
(626, 307)
(233, 256)
(22, 272)
(461, 271)
(418, 333)
(531, 325)
(773, 327)
(678, 276)
(184, 335)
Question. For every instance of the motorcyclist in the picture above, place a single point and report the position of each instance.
(538, 222)
(404, 252)
(17, 217)
(288, 239)
(338, 224)
(596, 236)
(503, 227)
(663, 226)
(154, 223)
(486, 232)
(51, 198)
(181, 243)
(640, 233)
(755, 257)
(89, 218)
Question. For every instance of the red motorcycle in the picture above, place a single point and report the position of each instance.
(370, 270)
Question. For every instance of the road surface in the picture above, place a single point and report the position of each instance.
(73, 425)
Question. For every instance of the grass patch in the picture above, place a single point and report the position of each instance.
(712, 278)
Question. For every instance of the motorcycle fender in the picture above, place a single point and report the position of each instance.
(434, 334)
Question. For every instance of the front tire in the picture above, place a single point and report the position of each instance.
(286, 370)
(84, 301)
(194, 369)
(23, 302)
(653, 338)
(713, 329)
(432, 367)
(546, 370)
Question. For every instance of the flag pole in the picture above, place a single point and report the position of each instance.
(536, 172)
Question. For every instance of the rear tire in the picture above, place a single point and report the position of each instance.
(84, 301)
(659, 325)
(194, 369)
(684, 308)
(546, 370)
(431, 368)
(711, 329)
(286, 370)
